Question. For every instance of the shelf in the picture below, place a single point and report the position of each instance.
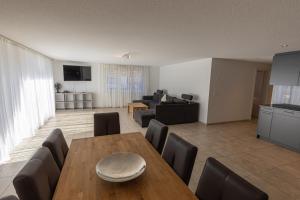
(84, 101)
(74, 101)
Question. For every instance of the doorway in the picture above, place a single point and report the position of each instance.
(262, 92)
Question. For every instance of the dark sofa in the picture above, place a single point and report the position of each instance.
(143, 117)
(177, 113)
(151, 100)
(173, 111)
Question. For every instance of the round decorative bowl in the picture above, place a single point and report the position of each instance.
(120, 167)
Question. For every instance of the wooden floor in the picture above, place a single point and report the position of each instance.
(270, 167)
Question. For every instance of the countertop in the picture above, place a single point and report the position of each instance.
(285, 106)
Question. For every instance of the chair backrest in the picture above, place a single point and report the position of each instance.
(156, 134)
(180, 155)
(217, 182)
(58, 146)
(38, 178)
(106, 124)
(45, 155)
(11, 197)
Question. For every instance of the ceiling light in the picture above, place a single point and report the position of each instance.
(126, 55)
(284, 45)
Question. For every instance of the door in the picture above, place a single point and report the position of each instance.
(262, 92)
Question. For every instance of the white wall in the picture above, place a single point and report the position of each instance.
(190, 77)
(232, 89)
(154, 79)
(93, 86)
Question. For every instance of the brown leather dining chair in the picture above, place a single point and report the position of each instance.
(106, 123)
(38, 178)
(10, 197)
(217, 182)
(156, 134)
(180, 155)
(58, 146)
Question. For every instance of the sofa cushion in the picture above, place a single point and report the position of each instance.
(164, 98)
(166, 102)
(188, 97)
(143, 117)
(156, 97)
(170, 98)
(179, 101)
(159, 91)
(144, 113)
(152, 105)
(175, 101)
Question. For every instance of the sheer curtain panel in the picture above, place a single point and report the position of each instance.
(120, 84)
(27, 94)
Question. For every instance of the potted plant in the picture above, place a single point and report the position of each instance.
(57, 87)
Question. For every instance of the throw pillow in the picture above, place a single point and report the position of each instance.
(164, 98)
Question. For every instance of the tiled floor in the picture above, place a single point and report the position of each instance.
(272, 168)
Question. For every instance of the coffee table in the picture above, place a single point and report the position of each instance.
(136, 106)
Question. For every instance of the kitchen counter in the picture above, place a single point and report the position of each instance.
(280, 124)
(286, 106)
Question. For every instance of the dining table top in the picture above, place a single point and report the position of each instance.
(78, 179)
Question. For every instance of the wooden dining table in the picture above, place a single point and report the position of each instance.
(79, 181)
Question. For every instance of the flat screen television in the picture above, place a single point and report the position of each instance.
(77, 73)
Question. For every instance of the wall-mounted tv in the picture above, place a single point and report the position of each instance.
(77, 73)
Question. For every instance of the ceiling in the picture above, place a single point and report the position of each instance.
(155, 32)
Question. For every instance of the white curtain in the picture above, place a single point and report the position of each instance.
(26, 94)
(120, 84)
(286, 94)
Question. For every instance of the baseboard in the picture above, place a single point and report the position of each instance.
(227, 122)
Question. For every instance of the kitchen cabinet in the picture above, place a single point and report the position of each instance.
(285, 128)
(286, 69)
(280, 124)
(264, 121)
